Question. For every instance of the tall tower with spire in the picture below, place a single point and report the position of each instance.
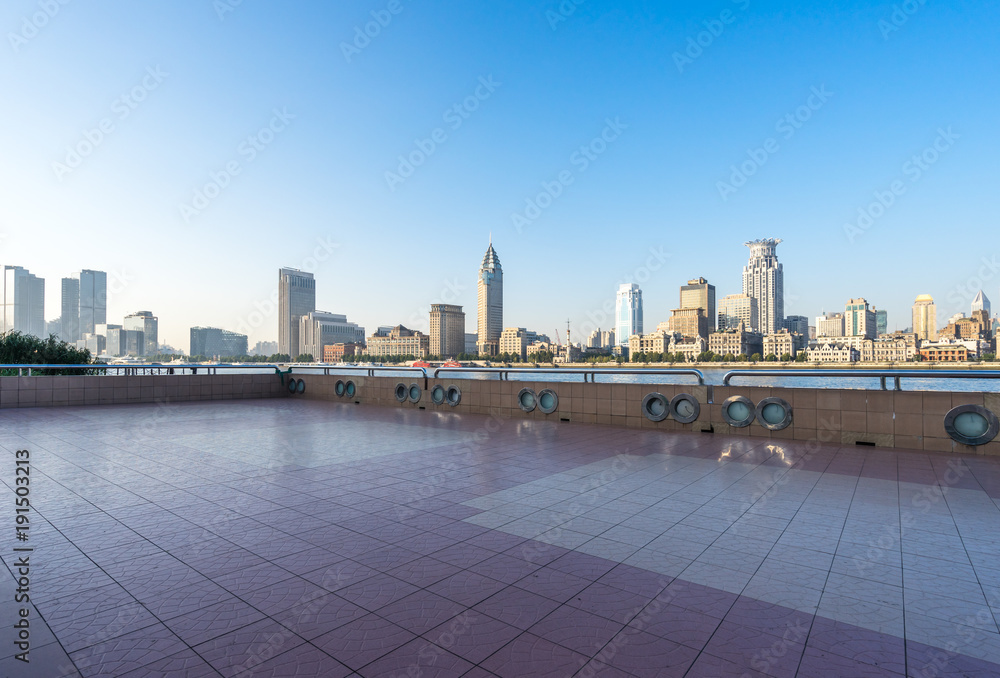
(490, 303)
(764, 280)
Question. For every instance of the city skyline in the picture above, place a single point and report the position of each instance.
(291, 279)
(250, 139)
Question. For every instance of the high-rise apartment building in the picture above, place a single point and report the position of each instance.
(490, 303)
(797, 324)
(628, 313)
(447, 330)
(689, 322)
(699, 294)
(213, 342)
(319, 328)
(981, 303)
(735, 309)
(93, 300)
(859, 319)
(830, 325)
(23, 298)
(881, 322)
(925, 318)
(296, 298)
(70, 309)
(763, 279)
(147, 323)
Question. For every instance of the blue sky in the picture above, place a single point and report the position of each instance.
(183, 90)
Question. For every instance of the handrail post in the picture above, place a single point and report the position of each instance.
(898, 386)
(881, 381)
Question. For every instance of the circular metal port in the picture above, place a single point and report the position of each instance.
(774, 414)
(401, 392)
(454, 395)
(655, 406)
(738, 411)
(684, 408)
(414, 393)
(527, 400)
(971, 425)
(548, 401)
(437, 394)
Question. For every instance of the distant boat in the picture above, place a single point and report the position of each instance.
(421, 363)
(451, 363)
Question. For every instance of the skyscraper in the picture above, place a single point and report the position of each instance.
(628, 313)
(881, 322)
(319, 328)
(925, 318)
(296, 298)
(981, 303)
(490, 303)
(212, 342)
(147, 323)
(735, 309)
(859, 319)
(23, 298)
(70, 318)
(699, 294)
(764, 280)
(93, 300)
(797, 324)
(447, 330)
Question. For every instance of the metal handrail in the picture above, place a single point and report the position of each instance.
(504, 373)
(132, 369)
(882, 375)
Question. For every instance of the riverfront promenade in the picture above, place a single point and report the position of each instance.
(284, 537)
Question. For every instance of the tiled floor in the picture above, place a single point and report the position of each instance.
(285, 537)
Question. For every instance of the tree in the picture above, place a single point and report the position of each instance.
(729, 357)
(801, 357)
(771, 358)
(786, 357)
(17, 348)
(742, 358)
(755, 358)
(305, 358)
